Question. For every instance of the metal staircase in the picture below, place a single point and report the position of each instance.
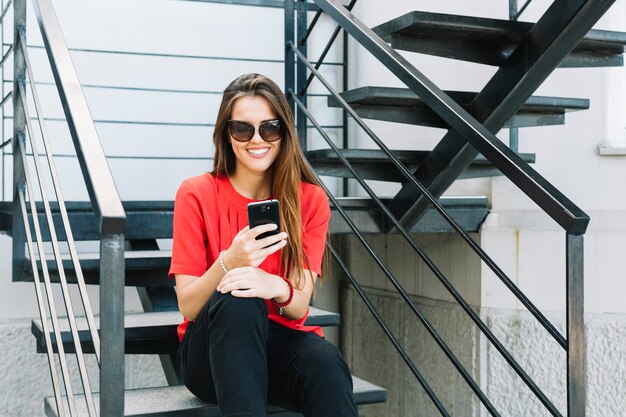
(130, 255)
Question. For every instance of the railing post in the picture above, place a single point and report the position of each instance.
(301, 119)
(19, 129)
(574, 250)
(290, 36)
(112, 325)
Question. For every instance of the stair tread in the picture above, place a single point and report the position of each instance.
(402, 105)
(501, 36)
(369, 155)
(158, 325)
(404, 97)
(177, 400)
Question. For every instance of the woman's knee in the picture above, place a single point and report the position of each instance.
(237, 310)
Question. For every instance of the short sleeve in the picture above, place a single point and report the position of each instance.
(189, 250)
(315, 228)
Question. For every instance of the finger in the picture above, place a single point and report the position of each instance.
(251, 293)
(265, 252)
(270, 240)
(243, 231)
(236, 285)
(256, 231)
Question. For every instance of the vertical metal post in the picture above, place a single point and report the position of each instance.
(301, 70)
(514, 131)
(290, 36)
(2, 121)
(19, 135)
(344, 121)
(112, 325)
(575, 326)
(512, 9)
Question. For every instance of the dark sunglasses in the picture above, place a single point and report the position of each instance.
(244, 131)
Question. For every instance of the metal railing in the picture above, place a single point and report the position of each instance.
(109, 344)
(573, 220)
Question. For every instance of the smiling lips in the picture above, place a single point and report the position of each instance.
(258, 152)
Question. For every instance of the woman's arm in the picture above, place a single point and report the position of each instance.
(248, 282)
(193, 292)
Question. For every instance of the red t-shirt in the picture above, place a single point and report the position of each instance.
(209, 212)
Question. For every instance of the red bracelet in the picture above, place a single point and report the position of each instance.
(280, 306)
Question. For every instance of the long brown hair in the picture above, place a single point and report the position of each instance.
(287, 171)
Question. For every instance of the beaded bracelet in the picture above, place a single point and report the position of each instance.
(280, 306)
(221, 260)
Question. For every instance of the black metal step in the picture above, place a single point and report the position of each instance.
(374, 164)
(402, 105)
(148, 333)
(178, 401)
(489, 41)
(153, 219)
(146, 268)
(468, 211)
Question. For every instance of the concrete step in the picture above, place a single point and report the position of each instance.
(178, 401)
(402, 105)
(148, 333)
(489, 41)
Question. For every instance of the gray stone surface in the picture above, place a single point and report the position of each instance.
(371, 356)
(25, 376)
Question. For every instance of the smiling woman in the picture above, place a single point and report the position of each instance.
(245, 301)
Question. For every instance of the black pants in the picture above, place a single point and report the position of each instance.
(235, 357)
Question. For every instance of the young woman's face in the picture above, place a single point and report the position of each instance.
(255, 156)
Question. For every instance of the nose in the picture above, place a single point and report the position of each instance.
(257, 136)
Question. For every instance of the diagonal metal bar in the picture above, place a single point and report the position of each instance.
(6, 98)
(69, 308)
(425, 322)
(6, 55)
(59, 197)
(329, 45)
(56, 387)
(521, 10)
(67, 382)
(435, 270)
(432, 200)
(394, 340)
(550, 199)
(5, 10)
(548, 42)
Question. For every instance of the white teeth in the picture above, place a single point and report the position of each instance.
(258, 151)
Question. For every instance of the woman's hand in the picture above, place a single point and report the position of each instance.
(247, 251)
(249, 281)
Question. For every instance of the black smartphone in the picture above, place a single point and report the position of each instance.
(264, 212)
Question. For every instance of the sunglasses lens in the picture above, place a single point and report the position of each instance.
(241, 131)
(270, 131)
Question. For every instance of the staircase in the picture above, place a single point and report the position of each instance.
(129, 232)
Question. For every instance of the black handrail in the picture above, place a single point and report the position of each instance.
(545, 195)
(468, 239)
(98, 178)
(436, 271)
